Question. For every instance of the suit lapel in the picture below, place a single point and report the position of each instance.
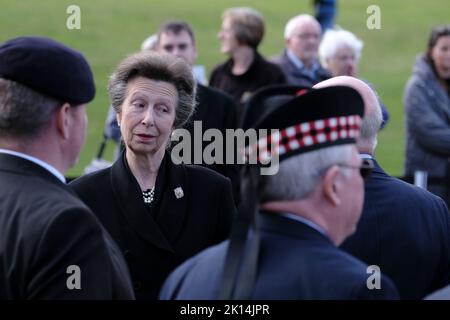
(172, 208)
(128, 193)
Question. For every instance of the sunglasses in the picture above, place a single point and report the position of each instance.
(365, 169)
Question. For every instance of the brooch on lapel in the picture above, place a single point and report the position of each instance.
(178, 192)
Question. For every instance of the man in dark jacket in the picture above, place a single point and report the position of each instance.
(51, 245)
(299, 59)
(404, 230)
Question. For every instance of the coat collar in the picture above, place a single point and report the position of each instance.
(251, 71)
(17, 164)
(425, 73)
(377, 168)
(318, 75)
(163, 228)
(276, 223)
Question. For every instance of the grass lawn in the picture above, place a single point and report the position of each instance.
(112, 29)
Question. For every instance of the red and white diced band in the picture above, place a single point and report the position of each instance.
(305, 135)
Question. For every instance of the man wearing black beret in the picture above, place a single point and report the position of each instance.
(302, 212)
(51, 244)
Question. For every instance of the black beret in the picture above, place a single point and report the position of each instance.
(309, 120)
(48, 67)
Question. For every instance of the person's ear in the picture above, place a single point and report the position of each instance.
(63, 120)
(331, 185)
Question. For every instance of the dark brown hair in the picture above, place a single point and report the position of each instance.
(176, 27)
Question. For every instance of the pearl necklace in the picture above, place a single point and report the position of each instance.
(148, 195)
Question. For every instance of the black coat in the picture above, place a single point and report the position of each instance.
(295, 262)
(44, 229)
(261, 73)
(404, 230)
(154, 241)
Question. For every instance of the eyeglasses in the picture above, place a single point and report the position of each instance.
(306, 36)
(365, 169)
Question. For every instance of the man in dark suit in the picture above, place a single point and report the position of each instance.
(306, 209)
(51, 245)
(404, 230)
(299, 59)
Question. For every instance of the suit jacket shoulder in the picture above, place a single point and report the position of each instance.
(295, 262)
(48, 232)
(403, 225)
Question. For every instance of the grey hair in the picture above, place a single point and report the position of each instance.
(155, 66)
(333, 39)
(371, 123)
(298, 176)
(24, 112)
(293, 22)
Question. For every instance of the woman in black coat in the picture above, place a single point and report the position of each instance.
(158, 212)
(246, 70)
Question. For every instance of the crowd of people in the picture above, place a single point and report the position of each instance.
(149, 228)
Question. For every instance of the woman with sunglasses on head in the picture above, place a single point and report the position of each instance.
(427, 110)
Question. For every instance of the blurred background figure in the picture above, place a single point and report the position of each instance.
(150, 43)
(299, 59)
(339, 52)
(325, 11)
(159, 213)
(246, 70)
(427, 112)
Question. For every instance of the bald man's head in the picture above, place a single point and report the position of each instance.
(372, 113)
